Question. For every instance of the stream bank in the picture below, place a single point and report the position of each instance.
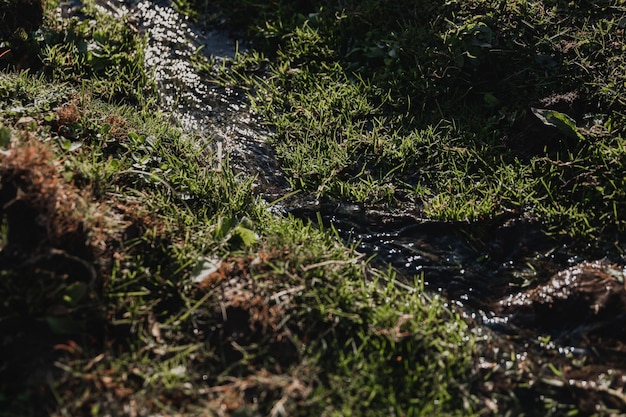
(498, 272)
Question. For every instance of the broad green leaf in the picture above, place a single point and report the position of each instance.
(561, 121)
(247, 236)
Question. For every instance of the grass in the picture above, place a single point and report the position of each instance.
(431, 103)
(136, 279)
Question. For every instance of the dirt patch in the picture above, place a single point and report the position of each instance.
(580, 303)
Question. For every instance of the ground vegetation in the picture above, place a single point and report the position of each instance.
(136, 279)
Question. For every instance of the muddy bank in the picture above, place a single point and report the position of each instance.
(578, 304)
(563, 339)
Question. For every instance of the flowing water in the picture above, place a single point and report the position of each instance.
(219, 117)
(473, 264)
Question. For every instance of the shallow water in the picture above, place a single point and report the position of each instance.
(218, 118)
(472, 263)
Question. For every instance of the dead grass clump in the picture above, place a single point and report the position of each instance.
(119, 127)
(40, 209)
(67, 114)
(251, 288)
(50, 284)
(238, 394)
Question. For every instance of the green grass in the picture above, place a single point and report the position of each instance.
(146, 328)
(384, 102)
(137, 279)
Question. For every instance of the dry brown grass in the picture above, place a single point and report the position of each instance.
(41, 209)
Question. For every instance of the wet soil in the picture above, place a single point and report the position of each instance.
(586, 299)
(550, 321)
(571, 331)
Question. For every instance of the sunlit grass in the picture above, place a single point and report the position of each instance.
(184, 295)
(197, 299)
(370, 111)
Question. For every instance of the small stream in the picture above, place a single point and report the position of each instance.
(473, 264)
(218, 117)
